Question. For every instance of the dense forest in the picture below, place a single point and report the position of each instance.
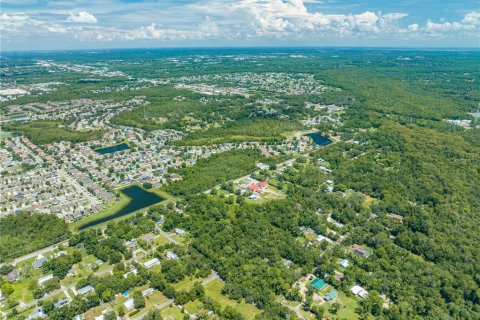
(246, 247)
(214, 170)
(243, 130)
(431, 179)
(26, 232)
(44, 132)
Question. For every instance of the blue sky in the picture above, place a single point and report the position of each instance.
(79, 24)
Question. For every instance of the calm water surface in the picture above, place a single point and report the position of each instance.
(111, 149)
(139, 199)
(319, 140)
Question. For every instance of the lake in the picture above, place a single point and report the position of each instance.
(319, 140)
(139, 199)
(111, 149)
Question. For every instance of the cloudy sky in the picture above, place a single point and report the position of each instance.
(79, 24)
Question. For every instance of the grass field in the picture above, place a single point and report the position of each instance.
(187, 283)
(214, 291)
(194, 306)
(172, 313)
(152, 300)
(21, 292)
(160, 240)
(347, 311)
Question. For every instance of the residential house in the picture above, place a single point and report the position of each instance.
(359, 291)
(344, 263)
(85, 290)
(129, 305)
(151, 263)
(396, 217)
(148, 237)
(360, 251)
(12, 276)
(180, 232)
(61, 303)
(318, 284)
(332, 295)
(147, 292)
(37, 264)
(171, 256)
(44, 279)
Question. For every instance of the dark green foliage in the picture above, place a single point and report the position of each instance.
(45, 132)
(138, 300)
(209, 172)
(26, 232)
(243, 130)
(247, 250)
(61, 265)
(6, 269)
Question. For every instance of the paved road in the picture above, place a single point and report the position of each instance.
(170, 239)
(158, 307)
(24, 306)
(78, 187)
(67, 295)
(212, 277)
(35, 253)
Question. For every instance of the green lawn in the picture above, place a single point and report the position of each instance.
(21, 292)
(151, 300)
(194, 306)
(214, 291)
(172, 312)
(27, 311)
(160, 240)
(186, 284)
(348, 307)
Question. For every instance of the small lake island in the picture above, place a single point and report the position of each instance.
(318, 139)
(139, 199)
(112, 149)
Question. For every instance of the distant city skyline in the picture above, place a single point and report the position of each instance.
(78, 24)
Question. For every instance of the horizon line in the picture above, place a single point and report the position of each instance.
(420, 48)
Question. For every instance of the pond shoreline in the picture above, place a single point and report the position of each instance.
(138, 199)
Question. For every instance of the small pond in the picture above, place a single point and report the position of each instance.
(111, 149)
(139, 199)
(319, 140)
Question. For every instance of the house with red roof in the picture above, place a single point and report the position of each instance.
(255, 188)
(263, 184)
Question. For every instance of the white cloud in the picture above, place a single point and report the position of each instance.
(469, 24)
(413, 27)
(82, 17)
(227, 20)
(22, 24)
(472, 19)
(277, 17)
